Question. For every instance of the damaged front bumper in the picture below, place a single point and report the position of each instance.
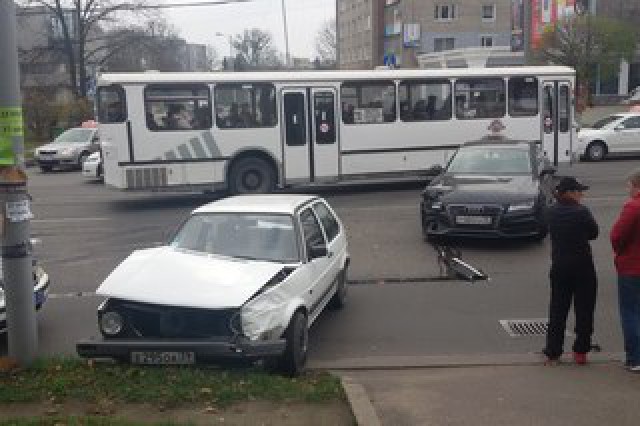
(186, 350)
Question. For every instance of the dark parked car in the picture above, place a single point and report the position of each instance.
(490, 188)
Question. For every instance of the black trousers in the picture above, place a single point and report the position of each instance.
(577, 282)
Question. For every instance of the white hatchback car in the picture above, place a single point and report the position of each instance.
(615, 134)
(244, 277)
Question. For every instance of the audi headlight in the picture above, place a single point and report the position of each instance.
(523, 206)
(111, 323)
(436, 205)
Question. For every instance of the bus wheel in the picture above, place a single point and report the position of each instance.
(251, 175)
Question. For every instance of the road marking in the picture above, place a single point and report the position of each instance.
(71, 219)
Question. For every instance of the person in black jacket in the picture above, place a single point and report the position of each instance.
(573, 275)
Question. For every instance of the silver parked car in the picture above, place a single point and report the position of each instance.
(614, 134)
(69, 150)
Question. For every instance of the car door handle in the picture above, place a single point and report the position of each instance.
(330, 254)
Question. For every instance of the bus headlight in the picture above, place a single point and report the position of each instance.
(111, 323)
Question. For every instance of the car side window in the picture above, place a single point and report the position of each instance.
(631, 123)
(311, 230)
(328, 221)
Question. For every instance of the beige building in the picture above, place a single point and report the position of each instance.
(359, 26)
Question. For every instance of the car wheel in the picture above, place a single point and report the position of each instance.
(294, 358)
(251, 175)
(82, 158)
(339, 299)
(596, 151)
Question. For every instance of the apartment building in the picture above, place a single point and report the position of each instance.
(359, 29)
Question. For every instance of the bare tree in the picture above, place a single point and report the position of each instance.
(586, 43)
(255, 50)
(326, 42)
(83, 29)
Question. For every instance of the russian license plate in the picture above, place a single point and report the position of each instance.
(163, 358)
(473, 220)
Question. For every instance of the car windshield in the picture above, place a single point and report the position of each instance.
(604, 121)
(267, 237)
(490, 161)
(75, 136)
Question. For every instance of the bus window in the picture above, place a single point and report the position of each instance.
(548, 113)
(112, 105)
(478, 98)
(241, 106)
(425, 100)
(523, 96)
(324, 110)
(177, 107)
(563, 109)
(294, 117)
(368, 103)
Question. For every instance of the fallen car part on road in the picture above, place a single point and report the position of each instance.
(452, 266)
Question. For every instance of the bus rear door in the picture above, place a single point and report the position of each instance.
(310, 147)
(557, 121)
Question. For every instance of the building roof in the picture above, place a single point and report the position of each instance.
(271, 203)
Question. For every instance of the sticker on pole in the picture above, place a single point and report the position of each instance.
(18, 211)
(324, 128)
(11, 133)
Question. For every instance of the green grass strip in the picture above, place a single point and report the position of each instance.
(74, 379)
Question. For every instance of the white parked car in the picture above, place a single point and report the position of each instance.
(244, 277)
(92, 166)
(615, 134)
(69, 150)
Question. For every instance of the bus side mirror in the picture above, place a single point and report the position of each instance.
(435, 170)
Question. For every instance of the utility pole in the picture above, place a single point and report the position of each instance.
(286, 36)
(15, 207)
(526, 31)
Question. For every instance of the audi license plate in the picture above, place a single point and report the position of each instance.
(473, 220)
(163, 358)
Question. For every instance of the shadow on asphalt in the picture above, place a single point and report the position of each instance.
(173, 200)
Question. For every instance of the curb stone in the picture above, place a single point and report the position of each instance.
(361, 406)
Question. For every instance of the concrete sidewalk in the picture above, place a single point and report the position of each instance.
(600, 393)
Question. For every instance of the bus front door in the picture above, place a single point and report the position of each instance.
(557, 121)
(310, 148)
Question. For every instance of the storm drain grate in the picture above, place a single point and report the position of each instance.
(526, 327)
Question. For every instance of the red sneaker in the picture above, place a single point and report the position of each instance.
(580, 358)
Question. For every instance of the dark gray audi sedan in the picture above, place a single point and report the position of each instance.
(492, 188)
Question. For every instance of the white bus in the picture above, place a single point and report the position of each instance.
(253, 132)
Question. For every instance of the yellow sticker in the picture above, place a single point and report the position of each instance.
(11, 130)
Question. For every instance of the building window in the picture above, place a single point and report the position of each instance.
(523, 96)
(177, 107)
(440, 44)
(368, 103)
(488, 12)
(486, 41)
(478, 98)
(445, 12)
(245, 105)
(425, 100)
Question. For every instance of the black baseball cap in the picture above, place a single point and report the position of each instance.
(569, 183)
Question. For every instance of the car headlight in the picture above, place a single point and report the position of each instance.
(523, 206)
(67, 151)
(111, 323)
(436, 205)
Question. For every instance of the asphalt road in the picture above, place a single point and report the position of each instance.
(396, 307)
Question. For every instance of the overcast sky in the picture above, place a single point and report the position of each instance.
(304, 19)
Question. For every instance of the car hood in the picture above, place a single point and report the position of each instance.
(59, 146)
(587, 132)
(466, 188)
(169, 276)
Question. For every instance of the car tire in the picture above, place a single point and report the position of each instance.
(294, 358)
(82, 158)
(339, 299)
(252, 175)
(46, 169)
(596, 151)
